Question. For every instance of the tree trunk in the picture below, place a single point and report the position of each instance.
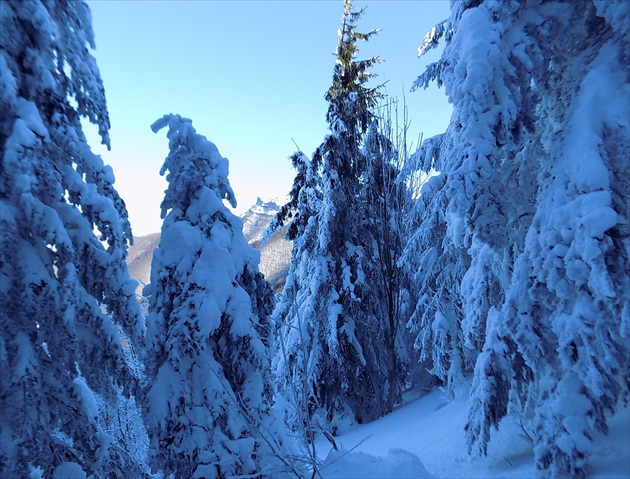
(392, 370)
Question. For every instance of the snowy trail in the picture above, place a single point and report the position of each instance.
(432, 429)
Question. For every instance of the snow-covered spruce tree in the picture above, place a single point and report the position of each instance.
(296, 350)
(207, 329)
(474, 213)
(568, 301)
(549, 286)
(66, 299)
(333, 334)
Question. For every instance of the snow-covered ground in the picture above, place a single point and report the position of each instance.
(425, 438)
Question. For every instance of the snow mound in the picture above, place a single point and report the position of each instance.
(358, 465)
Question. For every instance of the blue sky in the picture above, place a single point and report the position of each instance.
(251, 75)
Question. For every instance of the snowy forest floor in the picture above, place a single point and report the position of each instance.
(425, 438)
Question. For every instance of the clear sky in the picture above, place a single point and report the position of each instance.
(251, 75)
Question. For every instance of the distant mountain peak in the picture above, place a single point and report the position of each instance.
(257, 218)
(270, 206)
(262, 207)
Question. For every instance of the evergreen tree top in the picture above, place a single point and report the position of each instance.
(350, 101)
(193, 162)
